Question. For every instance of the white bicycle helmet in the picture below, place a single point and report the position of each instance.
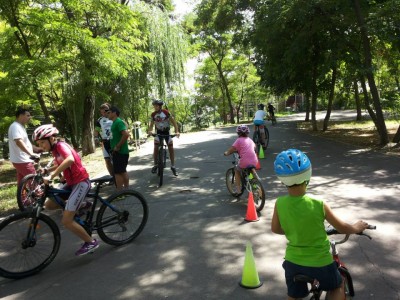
(44, 132)
(292, 167)
(243, 129)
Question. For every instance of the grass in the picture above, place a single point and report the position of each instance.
(362, 133)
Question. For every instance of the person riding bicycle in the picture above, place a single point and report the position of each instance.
(245, 147)
(162, 119)
(103, 131)
(300, 217)
(68, 163)
(271, 111)
(258, 120)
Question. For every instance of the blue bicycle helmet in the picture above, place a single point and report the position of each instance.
(292, 167)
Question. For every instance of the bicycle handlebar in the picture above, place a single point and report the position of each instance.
(163, 135)
(332, 231)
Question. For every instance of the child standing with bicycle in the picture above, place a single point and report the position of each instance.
(300, 218)
(245, 147)
(68, 163)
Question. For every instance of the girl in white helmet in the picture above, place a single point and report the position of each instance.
(245, 147)
(68, 163)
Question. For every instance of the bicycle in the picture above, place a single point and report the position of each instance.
(315, 291)
(249, 181)
(272, 119)
(30, 240)
(25, 199)
(257, 137)
(162, 155)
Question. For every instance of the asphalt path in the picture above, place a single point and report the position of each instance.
(193, 246)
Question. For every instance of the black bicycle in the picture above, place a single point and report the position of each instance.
(162, 155)
(258, 139)
(30, 240)
(315, 290)
(249, 181)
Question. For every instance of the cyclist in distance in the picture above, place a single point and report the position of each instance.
(258, 120)
(300, 217)
(68, 163)
(103, 130)
(162, 119)
(271, 111)
(245, 147)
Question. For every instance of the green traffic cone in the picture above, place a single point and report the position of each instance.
(261, 152)
(250, 278)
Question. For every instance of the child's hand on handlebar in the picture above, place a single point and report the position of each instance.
(360, 226)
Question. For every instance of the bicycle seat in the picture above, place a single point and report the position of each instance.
(303, 278)
(103, 179)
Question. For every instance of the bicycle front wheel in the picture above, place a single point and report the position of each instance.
(258, 193)
(25, 248)
(230, 180)
(27, 192)
(122, 218)
(161, 166)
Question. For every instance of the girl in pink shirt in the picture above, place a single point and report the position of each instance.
(68, 163)
(245, 147)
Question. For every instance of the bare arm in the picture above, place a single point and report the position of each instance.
(175, 125)
(124, 138)
(21, 145)
(230, 151)
(67, 162)
(341, 226)
(275, 224)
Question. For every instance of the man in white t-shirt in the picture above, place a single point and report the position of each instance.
(20, 146)
(103, 131)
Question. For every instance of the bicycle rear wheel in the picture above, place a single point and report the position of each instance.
(257, 140)
(231, 183)
(28, 192)
(122, 218)
(258, 193)
(25, 248)
(266, 137)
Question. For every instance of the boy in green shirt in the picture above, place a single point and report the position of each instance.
(119, 148)
(301, 219)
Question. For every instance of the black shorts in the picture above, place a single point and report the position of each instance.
(120, 161)
(328, 277)
(107, 145)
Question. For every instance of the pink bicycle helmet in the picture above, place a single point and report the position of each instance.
(243, 129)
(44, 132)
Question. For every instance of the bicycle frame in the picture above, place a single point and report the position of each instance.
(56, 194)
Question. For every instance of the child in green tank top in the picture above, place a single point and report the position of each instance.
(301, 219)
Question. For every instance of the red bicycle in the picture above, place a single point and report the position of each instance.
(315, 291)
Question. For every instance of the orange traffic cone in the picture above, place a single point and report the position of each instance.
(251, 214)
(258, 166)
(250, 279)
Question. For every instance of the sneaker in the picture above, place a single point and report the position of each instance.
(173, 169)
(154, 169)
(85, 207)
(87, 248)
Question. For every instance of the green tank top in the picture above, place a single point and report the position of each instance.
(302, 220)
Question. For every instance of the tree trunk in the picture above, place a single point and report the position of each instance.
(396, 138)
(367, 102)
(314, 97)
(380, 121)
(88, 126)
(358, 101)
(330, 100)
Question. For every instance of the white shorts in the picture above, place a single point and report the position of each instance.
(77, 195)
